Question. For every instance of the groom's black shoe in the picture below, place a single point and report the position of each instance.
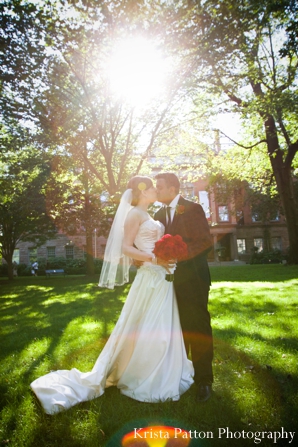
(203, 393)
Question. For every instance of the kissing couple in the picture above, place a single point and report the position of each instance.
(146, 355)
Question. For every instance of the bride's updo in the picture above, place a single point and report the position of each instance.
(138, 184)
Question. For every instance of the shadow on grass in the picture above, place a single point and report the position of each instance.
(245, 315)
(111, 416)
(247, 395)
(39, 309)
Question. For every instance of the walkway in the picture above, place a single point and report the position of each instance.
(224, 263)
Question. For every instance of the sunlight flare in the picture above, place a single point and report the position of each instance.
(137, 70)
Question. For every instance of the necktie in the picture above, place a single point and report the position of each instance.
(169, 219)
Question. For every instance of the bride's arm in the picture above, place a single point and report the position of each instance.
(131, 228)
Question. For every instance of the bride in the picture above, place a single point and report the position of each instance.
(145, 355)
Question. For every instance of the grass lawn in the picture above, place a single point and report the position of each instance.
(60, 323)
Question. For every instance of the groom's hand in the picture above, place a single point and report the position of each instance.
(137, 264)
(168, 265)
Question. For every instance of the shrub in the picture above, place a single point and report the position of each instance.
(56, 263)
(24, 270)
(98, 266)
(41, 266)
(3, 270)
(75, 266)
(70, 266)
(268, 257)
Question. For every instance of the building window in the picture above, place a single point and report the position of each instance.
(274, 216)
(16, 256)
(241, 246)
(204, 202)
(69, 251)
(259, 243)
(240, 217)
(223, 213)
(255, 216)
(276, 243)
(32, 254)
(187, 189)
(51, 251)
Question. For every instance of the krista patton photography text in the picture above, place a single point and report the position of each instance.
(222, 433)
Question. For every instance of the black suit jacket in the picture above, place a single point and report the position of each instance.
(191, 224)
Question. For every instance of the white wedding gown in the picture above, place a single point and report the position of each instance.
(144, 356)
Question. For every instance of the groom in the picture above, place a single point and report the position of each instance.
(192, 277)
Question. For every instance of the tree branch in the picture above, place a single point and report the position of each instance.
(241, 145)
(272, 55)
(282, 126)
(292, 151)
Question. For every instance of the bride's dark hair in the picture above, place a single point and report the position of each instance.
(138, 183)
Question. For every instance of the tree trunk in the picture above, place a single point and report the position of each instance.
(10, 268)
(8, 258)
(284, 181)
(89, 251)
(8, 248)
(89, 232)
(88, 222)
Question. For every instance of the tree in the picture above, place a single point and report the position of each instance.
(245, 53)
(23, 216)
(108, 138)
(22, 53)
(55, 81)
(73, 201)
(58, 73)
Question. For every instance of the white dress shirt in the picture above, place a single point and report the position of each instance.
(173, 205)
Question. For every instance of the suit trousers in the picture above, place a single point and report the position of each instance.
(192, 284)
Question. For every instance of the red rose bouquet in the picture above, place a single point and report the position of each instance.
(170, 248)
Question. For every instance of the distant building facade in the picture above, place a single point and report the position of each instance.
(234, 234)
(63, 246)
(237, 233)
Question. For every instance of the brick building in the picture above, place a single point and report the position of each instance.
(63, 246)
(234, 235)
